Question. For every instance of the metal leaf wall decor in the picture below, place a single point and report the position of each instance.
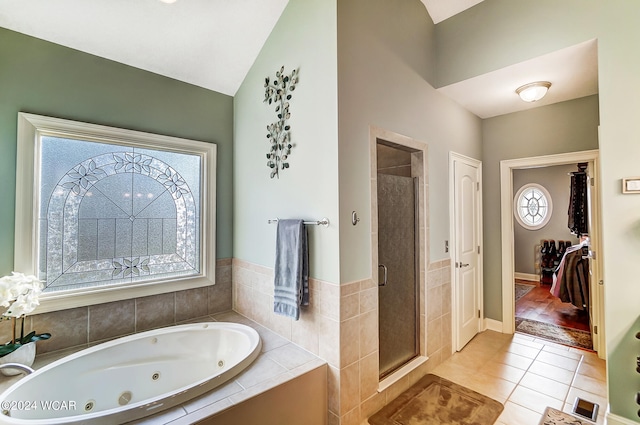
(278, 93)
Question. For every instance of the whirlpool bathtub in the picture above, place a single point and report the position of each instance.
(131, 377)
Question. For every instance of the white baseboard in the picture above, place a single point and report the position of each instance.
(527, 276)
(492, 325)
(618, 420)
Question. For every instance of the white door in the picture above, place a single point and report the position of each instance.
(596, 289)
(466, 259)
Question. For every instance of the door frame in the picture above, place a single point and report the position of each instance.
(453, 158)
(507, 234)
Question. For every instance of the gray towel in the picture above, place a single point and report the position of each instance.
(292, 269)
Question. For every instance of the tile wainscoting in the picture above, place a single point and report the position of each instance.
(341, 326)
(97, 323)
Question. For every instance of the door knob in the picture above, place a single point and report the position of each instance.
(461, 265)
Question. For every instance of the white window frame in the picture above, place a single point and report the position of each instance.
(26, 249)
(516, 206)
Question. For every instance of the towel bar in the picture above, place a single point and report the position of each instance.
(322, 222)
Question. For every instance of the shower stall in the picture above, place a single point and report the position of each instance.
(398, 265)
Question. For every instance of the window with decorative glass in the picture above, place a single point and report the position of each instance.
(532, 206)
(112, 213)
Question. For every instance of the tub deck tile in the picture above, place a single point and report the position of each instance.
(200, 414)
(270, 339)
(308, 366)
(261, 387)
(219, 393)
(232, 316)
(162, 418)
(262, 369)
(290, 356)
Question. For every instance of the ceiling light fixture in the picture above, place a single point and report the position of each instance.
(533, 91)
(168, 1)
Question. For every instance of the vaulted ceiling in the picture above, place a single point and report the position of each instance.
(209, 43)
(213, 43)
(439, 10)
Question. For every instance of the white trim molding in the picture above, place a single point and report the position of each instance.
(492, 325)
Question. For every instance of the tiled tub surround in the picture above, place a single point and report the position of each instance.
(341, 326)
(281, 367)
(84, 326)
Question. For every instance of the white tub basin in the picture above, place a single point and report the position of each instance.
(131, 377)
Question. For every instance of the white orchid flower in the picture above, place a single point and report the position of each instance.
(20, 293)
(6, 296)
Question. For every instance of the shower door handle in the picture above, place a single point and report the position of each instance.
(385, 274)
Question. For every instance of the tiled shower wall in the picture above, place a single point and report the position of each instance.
(97, 323)
(438, 317)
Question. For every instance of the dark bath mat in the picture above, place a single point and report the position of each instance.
(437, 401)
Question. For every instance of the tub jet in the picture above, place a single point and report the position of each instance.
(125, 398)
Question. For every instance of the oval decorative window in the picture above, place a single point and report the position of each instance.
(532, 206)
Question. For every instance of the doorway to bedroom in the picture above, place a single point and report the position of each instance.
(539, 193)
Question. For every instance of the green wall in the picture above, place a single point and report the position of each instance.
(303, 38)
(562, 127)
(385, 63)
(47, 79)
(498, 33)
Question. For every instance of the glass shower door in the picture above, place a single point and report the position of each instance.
(398, 291)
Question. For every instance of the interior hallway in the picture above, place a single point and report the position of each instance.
(527, 375)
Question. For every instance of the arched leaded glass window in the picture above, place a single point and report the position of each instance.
(118, 214)
(532, 206)
(104, 214)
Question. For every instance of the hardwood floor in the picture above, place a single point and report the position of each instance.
(540, 305)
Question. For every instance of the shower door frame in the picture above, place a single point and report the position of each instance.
(420, 156)
(415, 186)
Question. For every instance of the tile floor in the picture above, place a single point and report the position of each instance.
(527, 375)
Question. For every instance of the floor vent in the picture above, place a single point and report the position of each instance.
(586, 409)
